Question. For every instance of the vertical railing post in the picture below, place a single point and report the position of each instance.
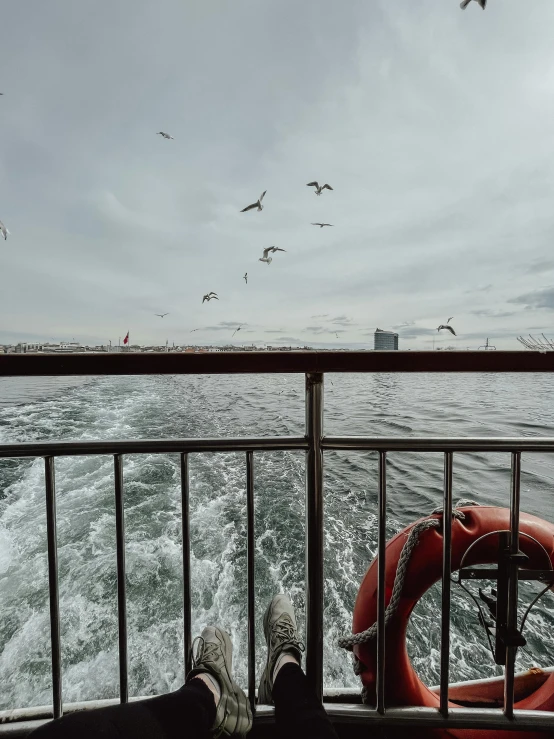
(250, 579)
(381, 585)
(54, 600)
(446, 575)
(511, 624)
(121, 594)
(185, 535)
(314, 532)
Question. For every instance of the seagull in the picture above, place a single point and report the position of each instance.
(161, 315)
(164, 134)
(4, 231)
(447, 327)
(318, 189)
(322, 224)
(210, 296)
(337, 335)
(235, 331)
(245, 278)
(266, 258)
(465, 3)
(257, 205)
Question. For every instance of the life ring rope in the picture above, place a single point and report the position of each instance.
(349, 641)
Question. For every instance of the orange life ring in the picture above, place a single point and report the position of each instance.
(402, 685)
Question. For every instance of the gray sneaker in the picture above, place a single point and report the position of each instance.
(214, 651)
(281, 635)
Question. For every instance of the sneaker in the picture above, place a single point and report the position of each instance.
(281, 635)
(214, 650)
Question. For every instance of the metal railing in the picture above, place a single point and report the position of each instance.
(314, 444)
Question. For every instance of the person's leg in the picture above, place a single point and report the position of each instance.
(298, 713)
(188, 713)
(210, 702)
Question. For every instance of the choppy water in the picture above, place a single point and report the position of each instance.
(163, 407)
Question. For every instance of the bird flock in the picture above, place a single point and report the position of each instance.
(267, 251)
(257, 206)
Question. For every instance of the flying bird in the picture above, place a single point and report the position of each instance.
(257, 204)
(266, 258)
(447, 327)
(194, 329)
(318, 189)
(164, 134)
(245, 278)
(322, 224)
(210, 296)
(336, 335)
(465, 3)
(451, 317)
(235, 331)
(4, 231)
(161, 315)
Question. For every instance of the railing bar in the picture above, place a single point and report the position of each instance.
(511, 625)
(438, 444)
(53, 590)
(446, 575)
(250, 580)
(185, 528)
(278, 362)
(314, 533)
(243, 444)
(121, 594)
(381, 563)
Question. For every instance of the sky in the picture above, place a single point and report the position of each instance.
(433, 125)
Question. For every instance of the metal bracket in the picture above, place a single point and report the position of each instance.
(509, 566)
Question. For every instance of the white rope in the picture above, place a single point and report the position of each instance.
(348, 642)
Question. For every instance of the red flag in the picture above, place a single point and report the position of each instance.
(126, 339)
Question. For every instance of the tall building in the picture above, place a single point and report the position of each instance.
(385, 340)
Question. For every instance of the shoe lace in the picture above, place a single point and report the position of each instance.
(205, 651)
(284, 632)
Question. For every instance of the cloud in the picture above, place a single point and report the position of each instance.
(292, 340)
(537, 266)
(543, 298)
(320, 315)
(479, 289)
(317, 329)
(489, 313)
(341, 320)
(405, 324)
(225, 326)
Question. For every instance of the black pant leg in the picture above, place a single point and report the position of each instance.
(188, 713)
(298, 713)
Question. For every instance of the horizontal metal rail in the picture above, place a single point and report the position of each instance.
(437, 444)
(281, 443)
(278, 362)
(166, 446)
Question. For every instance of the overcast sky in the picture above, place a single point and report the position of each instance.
(434, 126)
